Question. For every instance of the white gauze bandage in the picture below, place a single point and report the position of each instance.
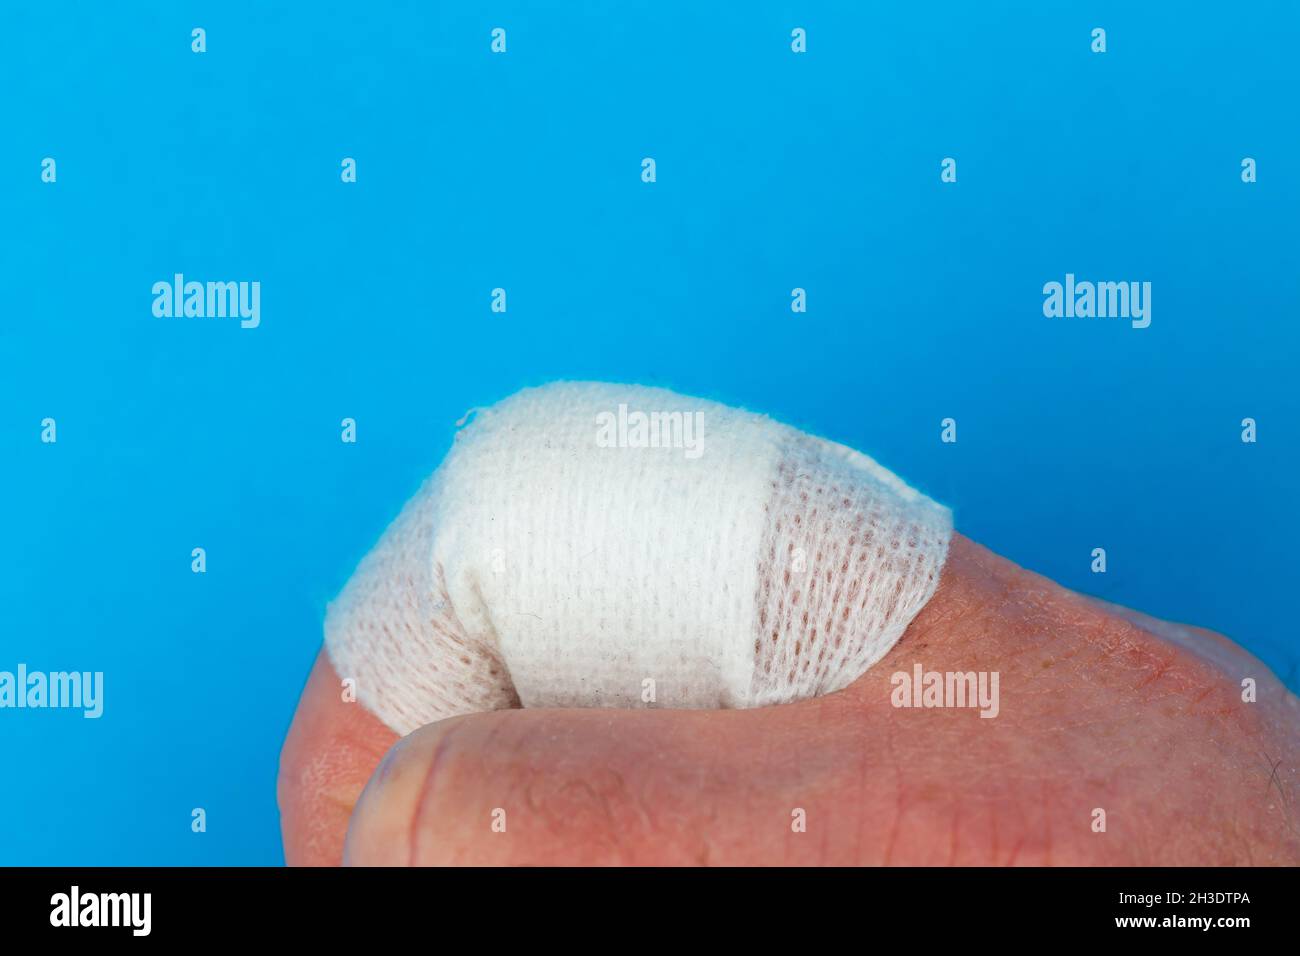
(593, 545)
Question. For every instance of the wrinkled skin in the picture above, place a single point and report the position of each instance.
(1099, 708)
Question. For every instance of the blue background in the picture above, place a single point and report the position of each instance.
(522, 170)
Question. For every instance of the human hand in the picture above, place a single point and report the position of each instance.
(1099, 708)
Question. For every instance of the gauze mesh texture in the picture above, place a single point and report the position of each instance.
(538, 567)
(394, 632)
(849, 556)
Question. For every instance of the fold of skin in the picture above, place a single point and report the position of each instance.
(1100, 708)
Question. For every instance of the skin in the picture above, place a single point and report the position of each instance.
(1100, 707)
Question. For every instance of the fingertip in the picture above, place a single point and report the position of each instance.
(379, 832)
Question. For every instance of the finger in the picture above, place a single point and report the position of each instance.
(332, 748)
(569, 787)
